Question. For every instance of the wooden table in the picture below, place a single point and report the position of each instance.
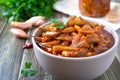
(13, 57)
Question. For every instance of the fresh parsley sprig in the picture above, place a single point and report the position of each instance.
(21, 10)
(27, 69)
(60, 24)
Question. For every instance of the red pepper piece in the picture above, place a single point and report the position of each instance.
(28, 45)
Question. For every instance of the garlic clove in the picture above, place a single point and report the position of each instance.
(34, 19)
(18, 33)
(113, 15)
(39, 22)
(21, 25)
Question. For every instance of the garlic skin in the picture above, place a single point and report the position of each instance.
(33, 21)
(21, 25)
(39, 22)
(113, 15)
(18, 33)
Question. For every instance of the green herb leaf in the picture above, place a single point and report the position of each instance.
(59, 24)
(27, 69)
(24, 9)
(32, 72)
(24, 72)
(55, 21)
(28, 65)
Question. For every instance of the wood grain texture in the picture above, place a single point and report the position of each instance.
(10, 55)
(118, 50)
(2, 25)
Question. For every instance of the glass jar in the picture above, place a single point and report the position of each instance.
(94, 8)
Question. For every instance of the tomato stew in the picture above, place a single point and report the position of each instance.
(78, 38)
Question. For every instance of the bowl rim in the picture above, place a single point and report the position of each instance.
(108, 28)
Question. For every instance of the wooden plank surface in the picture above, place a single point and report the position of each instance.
(10, 55)
(2, 25)
(118, 50)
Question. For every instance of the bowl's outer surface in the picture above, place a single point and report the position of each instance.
(86, 68)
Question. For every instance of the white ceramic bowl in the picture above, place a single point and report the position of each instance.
(85, 68)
